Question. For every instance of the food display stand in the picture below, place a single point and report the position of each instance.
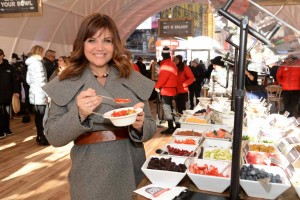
(194, 193)
(236, 189)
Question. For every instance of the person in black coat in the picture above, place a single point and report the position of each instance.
(209, 70)
(9, 86)
(195, 88)
(49, 62)
(21, 70)
(141, 66)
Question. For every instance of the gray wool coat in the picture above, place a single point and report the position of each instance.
(107, 170)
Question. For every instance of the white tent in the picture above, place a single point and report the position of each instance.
(57, 26)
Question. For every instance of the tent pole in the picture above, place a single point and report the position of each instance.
(274, 16)
(252, 31)
(239, 111)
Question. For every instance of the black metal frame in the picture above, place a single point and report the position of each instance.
(239, 92)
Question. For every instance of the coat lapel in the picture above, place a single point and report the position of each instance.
(141, 86)
(62, 92)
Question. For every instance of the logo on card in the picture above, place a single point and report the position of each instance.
(156, 191)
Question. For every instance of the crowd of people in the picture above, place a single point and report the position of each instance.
(175, 80)
(24, 78)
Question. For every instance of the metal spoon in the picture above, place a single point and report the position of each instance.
(97, 113)
(114, 99)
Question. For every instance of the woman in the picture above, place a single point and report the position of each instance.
(220, 83)
(106, 160)
(36, 78)
(185, 78)
(254, 90)
(63, 63)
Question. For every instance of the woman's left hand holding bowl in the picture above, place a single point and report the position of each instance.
(140, 118)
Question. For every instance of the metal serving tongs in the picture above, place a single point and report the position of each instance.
(225, 168)
(191, 157)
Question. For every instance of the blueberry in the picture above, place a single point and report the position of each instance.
(258, 176)
(279, 181)
(244, 168)
(248, 173)
(277, 176)
(273, 180)
(252, 172)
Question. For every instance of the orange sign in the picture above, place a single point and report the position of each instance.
(173, 44)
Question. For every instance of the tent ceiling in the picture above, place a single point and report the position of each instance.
(57, 27)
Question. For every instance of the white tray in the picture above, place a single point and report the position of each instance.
(217, 143)
(200, 130)
(182, 147)
(189, 125)
(212, 148)
(182, 138)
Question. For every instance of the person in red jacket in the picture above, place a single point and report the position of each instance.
(185, 78)
(289, 79)
(166, 85)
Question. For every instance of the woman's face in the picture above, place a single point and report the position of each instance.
(194, 64)
(176, 60)
(61, 63)
(99, 49)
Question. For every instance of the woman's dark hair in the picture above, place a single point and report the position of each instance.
(180, 65)
(88, 28)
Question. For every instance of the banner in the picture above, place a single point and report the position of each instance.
(20, 8)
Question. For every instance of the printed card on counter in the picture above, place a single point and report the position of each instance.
(156, 192)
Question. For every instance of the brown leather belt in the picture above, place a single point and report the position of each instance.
(102, 136)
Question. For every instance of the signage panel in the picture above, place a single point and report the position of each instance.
(20, 8)
(176, 27)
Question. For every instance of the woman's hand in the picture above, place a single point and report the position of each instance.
(247, 73)
(87, 101)
(140, 118)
